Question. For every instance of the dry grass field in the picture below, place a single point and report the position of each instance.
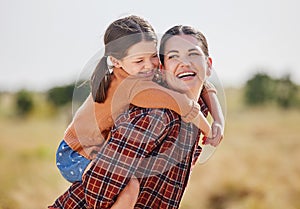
(255, 167)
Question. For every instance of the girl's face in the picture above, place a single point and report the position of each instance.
(141, 59)
(186, 65)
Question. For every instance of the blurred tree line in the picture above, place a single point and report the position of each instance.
(261, 89)
(59, 97)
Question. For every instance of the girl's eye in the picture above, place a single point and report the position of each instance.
(138, 61)
(155, 55)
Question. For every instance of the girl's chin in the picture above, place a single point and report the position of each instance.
(144, 78)
(148, 74)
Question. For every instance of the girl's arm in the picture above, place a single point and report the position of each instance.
(148, 94)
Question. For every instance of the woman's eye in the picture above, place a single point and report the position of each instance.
(194, 54)
(172, 56)
(138, 61)
(155, 55)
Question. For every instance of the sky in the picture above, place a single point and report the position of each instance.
(44, 43)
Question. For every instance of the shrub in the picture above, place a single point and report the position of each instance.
(260, 89)
(24, 102)
(286, 92)
(60, 96)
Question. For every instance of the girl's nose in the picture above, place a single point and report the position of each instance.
(149, 65)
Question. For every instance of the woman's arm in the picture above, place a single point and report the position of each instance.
(210, 98)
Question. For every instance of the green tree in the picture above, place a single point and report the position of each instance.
(24, 102)
(286, 92)
(60, 96)
(260, 89)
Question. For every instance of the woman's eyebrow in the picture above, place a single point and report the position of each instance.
(193, 49)
(173, 51)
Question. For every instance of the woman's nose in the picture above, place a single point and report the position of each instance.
(184, 61)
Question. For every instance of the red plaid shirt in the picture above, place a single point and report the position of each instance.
(155, 146)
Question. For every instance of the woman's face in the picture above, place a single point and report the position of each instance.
(186, 65)
(141, 59)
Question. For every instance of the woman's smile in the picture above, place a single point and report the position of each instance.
(186, 75)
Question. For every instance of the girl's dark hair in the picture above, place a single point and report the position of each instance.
(182, 30)
(118, 38)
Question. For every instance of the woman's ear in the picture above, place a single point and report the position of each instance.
(115, 62)
(209, 66)
(161, 67)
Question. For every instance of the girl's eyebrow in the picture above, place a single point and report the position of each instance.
(139, 55)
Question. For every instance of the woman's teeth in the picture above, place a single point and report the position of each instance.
(185, 74)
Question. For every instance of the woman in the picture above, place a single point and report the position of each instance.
(185, 57)
(154, 145)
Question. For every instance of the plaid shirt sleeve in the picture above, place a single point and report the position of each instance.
(204, 110)
(203, 107)
(135, 134)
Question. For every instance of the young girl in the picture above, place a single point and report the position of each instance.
(93, 120)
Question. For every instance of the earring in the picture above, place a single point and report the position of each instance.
(158, 76)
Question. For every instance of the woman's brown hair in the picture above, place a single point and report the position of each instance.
(179, 30)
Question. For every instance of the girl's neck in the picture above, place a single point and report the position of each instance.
(120, 73)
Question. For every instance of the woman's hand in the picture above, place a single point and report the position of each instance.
(128, 197)
(216, 135)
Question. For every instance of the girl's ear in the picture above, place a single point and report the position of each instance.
(115, 62)
(209, 66)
